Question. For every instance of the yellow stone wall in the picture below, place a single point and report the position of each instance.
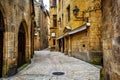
(52, 38)
(42, 25)
(36, 42)
(83, 5)
(53, 11)
(37, 20)
(15, 13)
(111, 39)
(80, 44)
(92, 37)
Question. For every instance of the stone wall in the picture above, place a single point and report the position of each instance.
(37, 27)
(111, 38)
(86, 44)
(44, 15)
(15, 13)
(80, 45)
(53, 29)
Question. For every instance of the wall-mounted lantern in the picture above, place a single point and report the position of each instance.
(88, 24)
(38, 29)
(76, 11)
(59, 21)
(35, 33)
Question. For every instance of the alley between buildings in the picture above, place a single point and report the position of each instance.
(45, 63)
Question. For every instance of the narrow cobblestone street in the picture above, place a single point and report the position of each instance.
(45, 63)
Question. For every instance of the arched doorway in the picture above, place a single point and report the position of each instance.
(2, 28)
(21, 45)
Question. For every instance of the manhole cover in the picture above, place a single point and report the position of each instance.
(58, 73)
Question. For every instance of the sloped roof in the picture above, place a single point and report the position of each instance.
(78, 30)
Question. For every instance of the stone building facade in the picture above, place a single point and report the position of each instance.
(53, 25)
(16, 33)
(42, 24)
(44, 28)
(111, 38)
(80, 36)
(37, 5)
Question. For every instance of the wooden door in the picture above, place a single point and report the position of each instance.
(1, 42)
(1, 53)
(21, 46)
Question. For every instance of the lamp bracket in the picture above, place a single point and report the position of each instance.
(82, 19)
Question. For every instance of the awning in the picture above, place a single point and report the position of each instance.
(81, 28)
(60, 37)
(78, 30)
(68, 27)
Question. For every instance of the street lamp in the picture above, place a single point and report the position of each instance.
(35, 33)
(38, 28)
(75, 11)
(59, 21)
(88, 24)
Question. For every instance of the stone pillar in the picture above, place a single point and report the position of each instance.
(57, 47)
(65, 42)
(11, 59)
(5, 55)
(70, 47)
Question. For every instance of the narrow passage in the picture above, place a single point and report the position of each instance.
(45, 63)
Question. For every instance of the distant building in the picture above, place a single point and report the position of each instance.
(16, 35)
(53, 25)
(42, 24)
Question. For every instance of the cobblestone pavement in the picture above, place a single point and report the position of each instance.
(45, 63)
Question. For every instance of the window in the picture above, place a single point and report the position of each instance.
(54, 41)
(62, 4)
(54, 20)
(54, 3)
(59, 5)
(68, 12)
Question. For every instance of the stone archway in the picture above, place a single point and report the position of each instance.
(21, 46)
(2, 29)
